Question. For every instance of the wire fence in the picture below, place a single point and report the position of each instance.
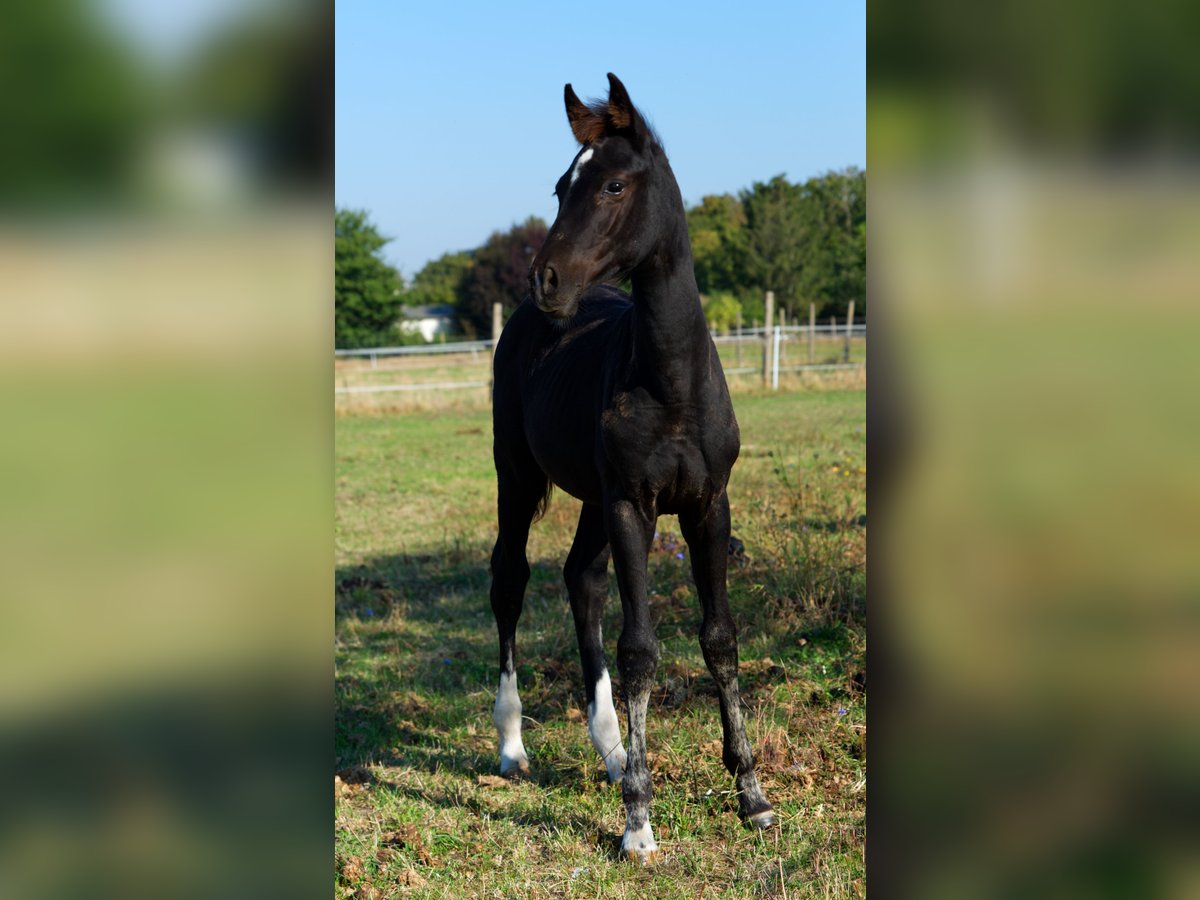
(751, 357)
(374, 353)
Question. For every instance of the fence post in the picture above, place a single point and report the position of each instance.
(768, 321)
(780, 346)
(738, 345)
(812, 330)
(497, 326)
(849, 328)
(775, 356)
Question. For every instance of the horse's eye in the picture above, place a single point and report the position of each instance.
(614, 187)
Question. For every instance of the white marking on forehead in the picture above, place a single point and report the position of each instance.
(583, 157)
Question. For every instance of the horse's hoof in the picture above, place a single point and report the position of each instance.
(643, 857)
(514, 768)
(638, 845)
(763, 820)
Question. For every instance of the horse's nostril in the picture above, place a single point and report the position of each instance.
(549, 280)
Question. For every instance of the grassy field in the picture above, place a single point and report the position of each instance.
(420, 809)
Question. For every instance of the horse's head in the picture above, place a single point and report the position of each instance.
(608, 202)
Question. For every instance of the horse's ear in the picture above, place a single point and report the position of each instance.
(585, 124)
(622, 115)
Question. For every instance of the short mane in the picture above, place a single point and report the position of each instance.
(601, 114)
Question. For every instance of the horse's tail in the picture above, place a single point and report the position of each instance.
(544, 501)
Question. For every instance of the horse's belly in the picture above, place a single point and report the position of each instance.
(562, 438)
(577, 484)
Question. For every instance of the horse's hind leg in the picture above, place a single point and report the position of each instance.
(518, 495)
(586, 574)
(708, 540)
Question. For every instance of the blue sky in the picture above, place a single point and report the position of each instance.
(450, 121)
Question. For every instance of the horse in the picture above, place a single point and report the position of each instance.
(619, 399)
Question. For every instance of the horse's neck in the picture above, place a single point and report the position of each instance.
(671, 337)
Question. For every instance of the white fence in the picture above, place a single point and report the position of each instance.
(373, 353)
(759, 347)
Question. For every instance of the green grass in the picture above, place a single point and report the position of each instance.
(419, 810)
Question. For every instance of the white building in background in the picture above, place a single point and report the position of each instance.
(428, 321)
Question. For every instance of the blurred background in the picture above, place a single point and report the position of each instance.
(1034, 274)
(165, 471)
(166, 263)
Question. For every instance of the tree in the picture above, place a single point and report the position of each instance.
(717, 228)
(366, 289)
(441, 282)
(500, 273)
(721, 311)
(834, 272)
(777, 237)
(263, 79)
(807, 242)
(76, 107)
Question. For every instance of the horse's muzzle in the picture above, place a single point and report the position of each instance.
(544, 287)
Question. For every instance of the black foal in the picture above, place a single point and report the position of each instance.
(619, 400)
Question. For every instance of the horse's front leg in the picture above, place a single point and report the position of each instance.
(707, 536)
(630, 531)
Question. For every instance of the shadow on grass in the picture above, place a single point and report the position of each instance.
(417, 660)
(382, 610)
(496, 803)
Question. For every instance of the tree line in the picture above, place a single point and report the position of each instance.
(804, 241)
